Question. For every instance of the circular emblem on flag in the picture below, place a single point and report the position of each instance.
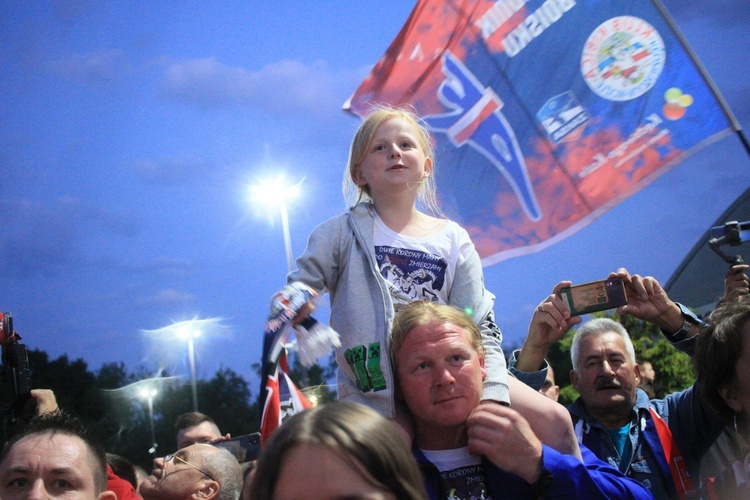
(622, 58)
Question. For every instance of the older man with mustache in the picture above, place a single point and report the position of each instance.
(659, 442)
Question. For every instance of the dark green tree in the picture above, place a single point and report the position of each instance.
(109, 402)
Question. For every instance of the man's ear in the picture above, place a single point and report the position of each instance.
(574, 380)
(484, 368)
(206, 490)
(637, 371)
(107, 495)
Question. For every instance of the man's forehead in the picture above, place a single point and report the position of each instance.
(61, 451)
(435, 332)
(68, 442)
(197, 449)
(602, 342)
(203, 431)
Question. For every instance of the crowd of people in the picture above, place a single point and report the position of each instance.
(429, 406)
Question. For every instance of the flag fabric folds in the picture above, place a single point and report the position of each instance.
(282, 399)
(279, 397)
(545, 113)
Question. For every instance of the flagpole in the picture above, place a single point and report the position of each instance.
(704, 73)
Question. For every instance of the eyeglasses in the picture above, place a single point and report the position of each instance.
(169, 458)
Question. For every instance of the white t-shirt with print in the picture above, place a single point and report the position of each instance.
(461, 474)
(420, 268)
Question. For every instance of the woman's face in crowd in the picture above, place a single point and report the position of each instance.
(317, 472)
(737, 394)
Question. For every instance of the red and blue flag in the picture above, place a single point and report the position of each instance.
(545, 113)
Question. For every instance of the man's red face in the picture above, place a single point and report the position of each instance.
(440, 376)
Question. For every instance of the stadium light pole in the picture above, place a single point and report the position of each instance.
(190, 334)
(277, 192)
(149, 394)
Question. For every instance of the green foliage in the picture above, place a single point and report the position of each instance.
(673, 368)
(313, 381)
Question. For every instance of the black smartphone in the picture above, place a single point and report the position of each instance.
(595, 296)
(244, 448)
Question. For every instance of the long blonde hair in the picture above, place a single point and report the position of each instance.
(354, 193)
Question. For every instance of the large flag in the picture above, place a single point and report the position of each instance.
(545, 113)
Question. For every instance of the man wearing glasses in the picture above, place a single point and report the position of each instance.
(199, 470)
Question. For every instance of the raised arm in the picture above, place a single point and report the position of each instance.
(648, 301)
(549, 323)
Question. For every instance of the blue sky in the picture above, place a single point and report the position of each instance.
(131, 131)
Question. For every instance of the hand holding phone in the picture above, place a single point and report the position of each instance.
(595, 296)
(244, 448)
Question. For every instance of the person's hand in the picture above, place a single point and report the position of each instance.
(226, 437)
(551, 320)
(45, 400)
(549, 323)
(505, 438)
(736, 283)
(305, 311)
(648, 301)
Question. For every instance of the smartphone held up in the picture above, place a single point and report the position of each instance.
(595, 296)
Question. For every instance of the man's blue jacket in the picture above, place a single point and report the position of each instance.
(570, 479)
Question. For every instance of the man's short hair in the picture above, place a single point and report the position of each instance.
(191, 419)
(599, 326)
(227, 472)
(67, 424)
(421, 313)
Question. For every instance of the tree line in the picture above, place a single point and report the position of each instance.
(109, 401)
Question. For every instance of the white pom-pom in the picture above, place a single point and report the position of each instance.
(314, 340)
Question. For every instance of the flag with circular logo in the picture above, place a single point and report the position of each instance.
(545, 113)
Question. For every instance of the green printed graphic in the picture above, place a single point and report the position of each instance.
(367, 372)
(355, 357)
(377, 380)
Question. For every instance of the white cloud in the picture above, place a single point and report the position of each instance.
(278, 87)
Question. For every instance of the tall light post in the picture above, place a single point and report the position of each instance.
(149, 394)
(190, 334)
(276, 193)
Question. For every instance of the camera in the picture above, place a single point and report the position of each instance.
(7, 326)
(15, 374)
(732, 233)
(595, 296)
